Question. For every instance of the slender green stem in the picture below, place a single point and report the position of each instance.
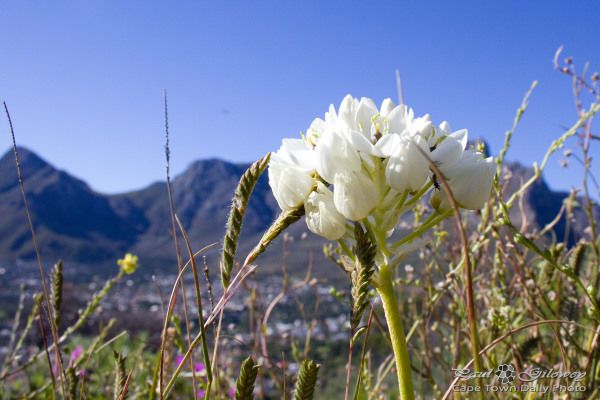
(556, 145)
(345, 248)
(392, 315)
(403, 198)
(433, 220)
(417, 196)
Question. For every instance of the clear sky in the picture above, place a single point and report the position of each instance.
(84, 79)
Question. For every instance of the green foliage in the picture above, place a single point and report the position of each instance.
(120, 375)
(577, 257)
(307, 379)
(73, 381)
(244, 387)
(56, 280)
(284, 220)
(361, 274)
(236, 216)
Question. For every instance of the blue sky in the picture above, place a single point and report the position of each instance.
(83, 79)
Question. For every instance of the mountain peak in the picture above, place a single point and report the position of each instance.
(206, 174)
(216, 165)
(26, 156)
(29, 162)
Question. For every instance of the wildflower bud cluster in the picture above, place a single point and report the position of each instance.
(364, 162)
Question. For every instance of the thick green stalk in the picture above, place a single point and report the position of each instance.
(394, 322)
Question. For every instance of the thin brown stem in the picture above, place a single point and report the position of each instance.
(177, 249)
(37, 253)
(471, 312)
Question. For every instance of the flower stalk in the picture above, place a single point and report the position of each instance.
(385, 289)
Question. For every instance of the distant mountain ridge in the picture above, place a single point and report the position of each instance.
(75, 223)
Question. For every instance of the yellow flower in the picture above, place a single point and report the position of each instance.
(128, 264)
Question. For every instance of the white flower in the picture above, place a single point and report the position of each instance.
(354, 194)
(366, 116)
(347, 110)
(334, 154)
(386, 107)
(399, 119)
(447, 147)
(379, 133)
(367, 126)
(297, 153)
(407, 169)
(291, 173)
(421, 126)
(470, 180)
(322, 217)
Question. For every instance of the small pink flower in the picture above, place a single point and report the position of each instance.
(179, 359)
(201, 393)
(76, 353)
(232, 393)
(200, 367)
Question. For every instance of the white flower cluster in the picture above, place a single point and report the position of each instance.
(370, 157)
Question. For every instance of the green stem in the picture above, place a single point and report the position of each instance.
(371, 232)
(433, 220)
(344, 247)
(403, 198)
(394, 322)
(406, 206)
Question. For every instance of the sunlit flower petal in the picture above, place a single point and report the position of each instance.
(354, 194)
(408, 169)
(449, 150)
(291, 172)
(335, 153)
(470, 181)
(290, 185)
(322, 217)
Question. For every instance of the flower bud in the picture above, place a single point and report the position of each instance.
(291, 186)
(386, 107)
(291, 173)
(354, 194)
(448, 152)
(334, 154)
(407, 168)
(347, 111)
(322, 217)
(365, 112)
(399, 119)
(421, 126)
(470, 181)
